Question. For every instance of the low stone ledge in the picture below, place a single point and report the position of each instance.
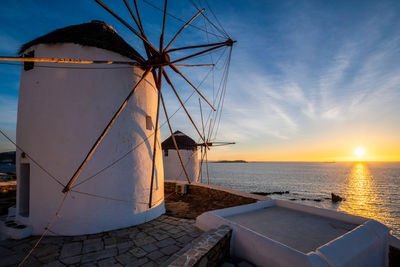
(209, 249)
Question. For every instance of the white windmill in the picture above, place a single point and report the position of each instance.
(75, 119)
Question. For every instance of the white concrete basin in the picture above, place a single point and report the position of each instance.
(282, 233)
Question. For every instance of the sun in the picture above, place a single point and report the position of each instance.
(359, 152)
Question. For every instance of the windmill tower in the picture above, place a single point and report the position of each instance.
(173, 169)
(61, 111)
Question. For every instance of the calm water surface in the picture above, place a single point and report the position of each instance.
(371, 189)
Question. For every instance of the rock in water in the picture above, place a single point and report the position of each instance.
(336, 198)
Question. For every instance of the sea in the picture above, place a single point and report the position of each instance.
(370, 189)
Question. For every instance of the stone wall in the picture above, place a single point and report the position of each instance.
(210, 249)
(200, 199)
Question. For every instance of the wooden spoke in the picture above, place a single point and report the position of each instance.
(148, 44)
(202, 121)
(195, 65)
(134, 17)
(163, 27)
(158, 84)
(68, 61)
(174, 140)
(138, 16)
(208, 176)
(201, 165)
(194, 87)
(228, 43)
(198, 53)
(184, 26)
(205, 149)
(91, 151)
(140, 26)
(183, 105)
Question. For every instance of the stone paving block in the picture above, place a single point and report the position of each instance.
(185, 239)
(99, 255)
(144, 241)
(177, 235)
(46, 250)
(122, 239)
(110, 242)
(159, 234)
(54, 264)
(154, 255)
(88, 265)
(49, 258)
(166, 242)
(162, 259)
(91, 245)
(149, 247)
(126, 258)
(137, 252)
(79, 238)
(107, 262)
(123, 247)
(71, 249)
(140, 262)
(150, 264)
(52, 240)
(168, 250)
(72, 260)
(140, 235)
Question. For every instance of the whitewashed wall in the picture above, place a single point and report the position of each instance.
(173, 168)
(61, 113)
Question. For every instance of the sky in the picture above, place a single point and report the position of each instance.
(308, 80)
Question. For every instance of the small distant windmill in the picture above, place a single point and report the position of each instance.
(154, 64)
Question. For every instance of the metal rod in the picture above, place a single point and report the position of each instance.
(158, 84)
(184, 26)
(183, 105)
(228, 43)
(198, 53)
(194, 87)
(93, 149)
(128, 26)
(174, 140)
(67, 60)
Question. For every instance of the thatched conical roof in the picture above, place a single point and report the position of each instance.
(95, 33)
(182, 140)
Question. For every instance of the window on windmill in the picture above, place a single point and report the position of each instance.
(29, 65)
(166, 152)
(149, 123)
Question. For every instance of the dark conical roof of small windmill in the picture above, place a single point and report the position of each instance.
(182, 140)
(95, 33)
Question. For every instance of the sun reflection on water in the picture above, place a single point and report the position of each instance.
(361, 194)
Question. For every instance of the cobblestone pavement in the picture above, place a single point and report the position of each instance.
(148, 244)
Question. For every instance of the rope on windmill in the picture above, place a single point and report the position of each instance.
(46, 229)
(32, 159)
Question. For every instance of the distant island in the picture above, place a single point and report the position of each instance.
(230, 161)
